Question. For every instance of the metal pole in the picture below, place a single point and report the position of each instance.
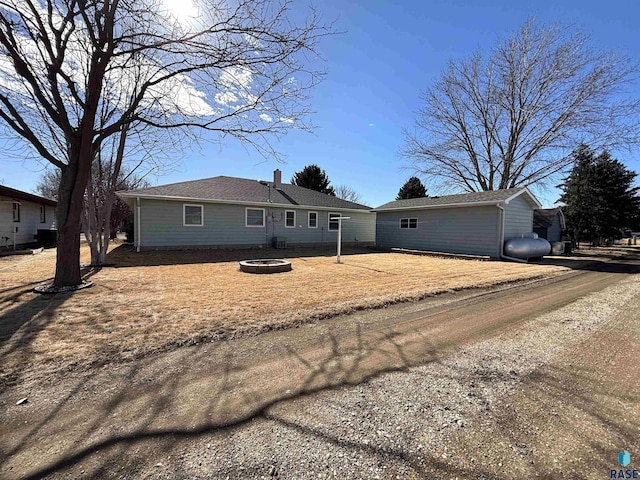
(340, 218)
(138, 221)
(339, 238)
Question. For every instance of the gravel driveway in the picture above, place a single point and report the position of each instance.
(411, 424)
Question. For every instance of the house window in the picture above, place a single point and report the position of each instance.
(408, 223)
(254, 217)
(192, 215)
(16, 211)
(333, 221)
(313, 220)
(43, 214)
(290, 219)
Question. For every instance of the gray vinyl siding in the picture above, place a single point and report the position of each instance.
(224, 225)
(466, 230)
(518, 218)
(554, 232)
(360, 228)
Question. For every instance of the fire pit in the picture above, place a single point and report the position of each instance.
(268, 265)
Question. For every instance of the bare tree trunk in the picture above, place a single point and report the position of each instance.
(68, 217)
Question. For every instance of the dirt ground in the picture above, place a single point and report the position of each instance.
(537, 380)
(157, 301)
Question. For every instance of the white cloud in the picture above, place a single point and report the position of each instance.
(236, 78)
(372, 124)
(286, 120)
(226, 98)
(265, 117)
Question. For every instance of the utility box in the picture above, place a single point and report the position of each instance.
(47, 238)
(279, 242)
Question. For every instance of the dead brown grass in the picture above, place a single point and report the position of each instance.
(173, 298)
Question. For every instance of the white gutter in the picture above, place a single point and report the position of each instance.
(138, 222)
(502, 255)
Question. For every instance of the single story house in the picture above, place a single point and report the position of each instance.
(239, 212)
(549, 223)
(22, 214)
(471, 223)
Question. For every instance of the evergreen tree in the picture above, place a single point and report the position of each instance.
(413, 188)
(600, 197)
(313, 178)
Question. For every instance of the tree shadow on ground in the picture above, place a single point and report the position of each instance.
(21, 324)
(144, 411)
(126, 256)
(212, 394)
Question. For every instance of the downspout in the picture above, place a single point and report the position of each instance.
(138, 226)
(502, 255)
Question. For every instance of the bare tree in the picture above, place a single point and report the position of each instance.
(75, 73)
(103, 212)
(513, 117)
(347, 193)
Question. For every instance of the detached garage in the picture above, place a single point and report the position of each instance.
(471, 223)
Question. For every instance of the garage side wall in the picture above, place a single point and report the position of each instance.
(466, 230)
(518, 218)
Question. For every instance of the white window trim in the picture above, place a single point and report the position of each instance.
(329, 229)
(184, 215)
(408, 227)
(309, 219)
(16, 209)
(246, 212)
(294, 219)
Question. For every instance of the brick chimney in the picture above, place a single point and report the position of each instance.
(277, 178)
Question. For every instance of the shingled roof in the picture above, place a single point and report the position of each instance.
(491, 197)
(243, 190)
(27, 197)
(543, 217)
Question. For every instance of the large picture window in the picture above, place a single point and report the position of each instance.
(254, 217)
(408, 223)
(333, 221)
(192, 215)
(290, 219)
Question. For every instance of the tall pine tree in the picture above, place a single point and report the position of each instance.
(314, 178)
(600, 197)
(413, 188)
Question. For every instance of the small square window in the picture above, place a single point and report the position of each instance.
(408, 223)
(16, 211)
(254, 217)
(290, 219)
(333, 221)
(193, 216)
(43, 214)
(313, 220)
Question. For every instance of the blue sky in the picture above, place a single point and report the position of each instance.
(376, 70)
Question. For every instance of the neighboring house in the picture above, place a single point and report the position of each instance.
(549, 223)
(238, 212)
(22, 214)
(470, 223)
